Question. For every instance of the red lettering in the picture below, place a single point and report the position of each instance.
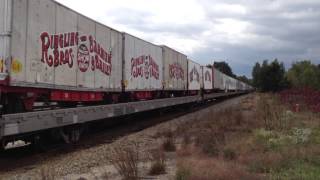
(72, 40)
(66, 56)
(70, 63)
(56, 41)
(66, 40)
(62, 60)
(77, 38)
(50, 61)
(61, 40)
(45, 40)
(56, 58)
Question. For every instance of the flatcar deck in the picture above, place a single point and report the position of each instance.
(21, 123)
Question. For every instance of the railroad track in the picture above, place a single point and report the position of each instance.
(101, 132)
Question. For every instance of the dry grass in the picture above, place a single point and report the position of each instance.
(197, 167)
(204, 153)
(125, 160)
(272, 113)
(209, 142)
(258, 138)
(47, 173)
(168, 144)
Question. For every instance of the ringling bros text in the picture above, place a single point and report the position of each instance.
(63, 49)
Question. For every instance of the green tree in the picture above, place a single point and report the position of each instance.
(256, 75)
(269, 76)
(304, 74)
(244, 79)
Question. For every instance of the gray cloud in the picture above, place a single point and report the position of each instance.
(288, 31)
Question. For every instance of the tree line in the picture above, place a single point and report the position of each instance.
(272, 76)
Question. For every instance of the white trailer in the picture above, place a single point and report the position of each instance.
(175, 69)
(194, 75)
(207, 78)
(143, 66)
(218, 80)
(47, 45)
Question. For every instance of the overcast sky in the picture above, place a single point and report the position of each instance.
(241, 32)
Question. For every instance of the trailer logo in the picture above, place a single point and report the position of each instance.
(176, 71)
(144, 66)
(207, 76)
(194, 75)
(59, 49)
(83, 58)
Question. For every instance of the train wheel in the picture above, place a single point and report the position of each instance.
(39, 143)
(75, 135)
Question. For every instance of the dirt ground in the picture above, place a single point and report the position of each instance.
(94, 162)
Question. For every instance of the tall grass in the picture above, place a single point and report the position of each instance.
(272, 113)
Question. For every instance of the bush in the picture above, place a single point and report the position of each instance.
(169, 145)
(158, 165)
(125, 160)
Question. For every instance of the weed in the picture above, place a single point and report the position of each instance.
(169, 144)
(82, 178)
(182, 173)
(158, 165)
(186, 139)
(229, 154)
(47, 173)
(125, 160)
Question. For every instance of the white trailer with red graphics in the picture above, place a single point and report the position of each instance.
(53, 53)
(207, 78)
(143, 68)
(175, 72)
(194, 76)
